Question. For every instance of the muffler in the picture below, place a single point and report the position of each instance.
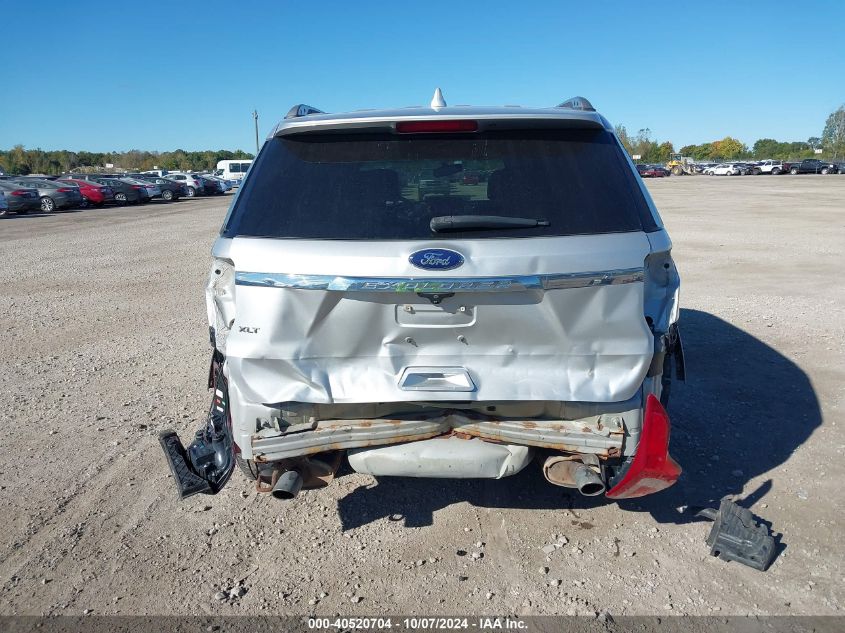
(285, 480)
(569, 473)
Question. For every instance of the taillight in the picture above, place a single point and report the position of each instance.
(652, 468)
(435, 127)
(221, 284)
(137, 186)
(64, 189)
(20, 192)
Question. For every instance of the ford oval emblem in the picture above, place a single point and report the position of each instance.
(436, 259)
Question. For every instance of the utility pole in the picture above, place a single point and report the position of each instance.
(255, 116)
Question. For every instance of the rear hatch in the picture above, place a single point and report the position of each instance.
(344, 291)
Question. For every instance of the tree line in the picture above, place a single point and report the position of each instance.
(22, 161)
(831, 142)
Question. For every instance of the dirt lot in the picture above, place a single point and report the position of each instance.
(104, 344)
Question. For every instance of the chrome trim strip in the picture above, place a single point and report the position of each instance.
(445, 284)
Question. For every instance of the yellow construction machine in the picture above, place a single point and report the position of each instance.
(681, 165)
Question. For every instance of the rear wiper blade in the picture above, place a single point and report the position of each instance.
(443, 223)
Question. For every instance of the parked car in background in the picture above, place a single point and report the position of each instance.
(193, 185)
(813, 166)
(21, 199)
(161, 173)
(148, 190)
(748, 169)
(94, 193)
(124, 193)
(54, 195)
(211, 187)
(226, 184)
(651, 171)
(727, 169)
(170, 189)
(773, 167)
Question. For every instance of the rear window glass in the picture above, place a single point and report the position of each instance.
(390, 187)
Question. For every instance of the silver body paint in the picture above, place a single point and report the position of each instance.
(548, 329)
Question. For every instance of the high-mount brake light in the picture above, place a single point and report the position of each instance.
(436, 127)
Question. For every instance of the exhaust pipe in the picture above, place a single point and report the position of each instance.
(288, 485)
(285, 479)
(587, 481)
(569, 473)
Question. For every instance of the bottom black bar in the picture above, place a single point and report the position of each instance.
(486, 623)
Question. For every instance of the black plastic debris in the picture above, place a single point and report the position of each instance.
(206, 464)
(188, 483)
(736, 536)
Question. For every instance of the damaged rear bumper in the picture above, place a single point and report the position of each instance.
(207, 463)
(602, 436)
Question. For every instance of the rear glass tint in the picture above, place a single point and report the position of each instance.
(390, 187)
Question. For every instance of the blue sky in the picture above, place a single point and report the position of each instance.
(102, 76)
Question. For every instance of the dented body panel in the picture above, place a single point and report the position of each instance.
(324, 346)
(527, 343)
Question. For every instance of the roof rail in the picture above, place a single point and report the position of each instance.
(302, 110)
(577, 103)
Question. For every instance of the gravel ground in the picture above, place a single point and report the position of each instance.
(105, 344)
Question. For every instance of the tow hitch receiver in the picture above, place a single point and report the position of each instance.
(206, 465)
(736, 536)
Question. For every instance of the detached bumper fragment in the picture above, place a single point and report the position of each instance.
(206, 465)
(188, 483)
(736, 536)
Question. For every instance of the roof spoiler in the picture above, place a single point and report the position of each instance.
(577, 103)
(302, 110)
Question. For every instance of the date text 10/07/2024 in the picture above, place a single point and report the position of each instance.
(418, 623)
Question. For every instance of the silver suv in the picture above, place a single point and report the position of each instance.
(193, 185)
(440, 292)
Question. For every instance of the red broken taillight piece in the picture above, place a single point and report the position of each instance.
(652, 469)
(436, 127)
